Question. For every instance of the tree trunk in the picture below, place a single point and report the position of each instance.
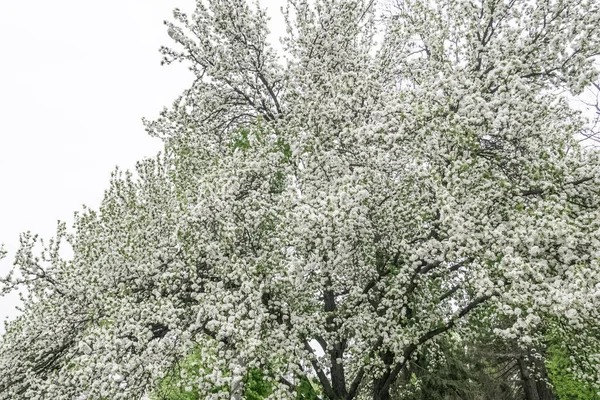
(534, 378)
(544, 391)
(378, 393)
(380, 390)
(529, 387)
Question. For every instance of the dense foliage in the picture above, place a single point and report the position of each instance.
(565, 384)
(321, 214)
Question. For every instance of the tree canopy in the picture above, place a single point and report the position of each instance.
(323, 211)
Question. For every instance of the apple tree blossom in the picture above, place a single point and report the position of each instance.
(323, 209)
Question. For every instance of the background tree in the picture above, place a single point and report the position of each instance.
(454, 368)
(565, 385)
(327, 214)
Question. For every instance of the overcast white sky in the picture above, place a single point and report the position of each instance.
(76, 77)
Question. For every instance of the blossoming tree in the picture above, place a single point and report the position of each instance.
(395, 172)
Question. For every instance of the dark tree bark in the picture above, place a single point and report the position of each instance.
(534, 377)
(529, 384)
(381, 390)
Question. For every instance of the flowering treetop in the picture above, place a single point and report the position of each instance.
(325, 211)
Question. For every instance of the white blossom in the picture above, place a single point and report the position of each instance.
(325, 210)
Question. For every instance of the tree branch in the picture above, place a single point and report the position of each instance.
(428, 336)
(320, 374)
